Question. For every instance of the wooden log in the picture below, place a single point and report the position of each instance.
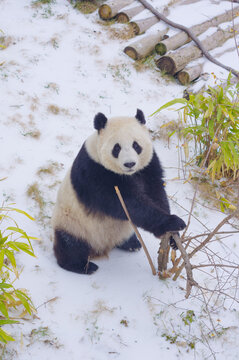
(194, 38)
(163, 252)
(109, 10)
(177, 60)
(189, 74)
(143, 47)
(140, 26)
(126, 15)
(182, 38)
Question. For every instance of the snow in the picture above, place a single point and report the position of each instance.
(60, 69)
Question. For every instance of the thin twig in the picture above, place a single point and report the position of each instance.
(206, 234)
(214, 232)
(135, 229)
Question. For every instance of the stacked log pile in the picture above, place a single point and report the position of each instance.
(177, 61)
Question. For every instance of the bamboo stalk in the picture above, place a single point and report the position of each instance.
(126, 15)
(140, 26)
(177, 60)
(135, 229)
(182, 38)
(143, 47)
(109, 10)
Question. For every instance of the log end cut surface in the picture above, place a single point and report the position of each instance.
(105, 12)
(160, 49)
(183, 77)
(166, 64)
(122, 18)
(131, 52)
(135, 28)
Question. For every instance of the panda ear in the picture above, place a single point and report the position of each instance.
(100, 121)
(140, 116)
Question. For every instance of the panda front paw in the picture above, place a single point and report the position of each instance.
(172, 242)
(174, 223)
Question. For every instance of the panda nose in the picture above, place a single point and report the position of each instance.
(129, 164)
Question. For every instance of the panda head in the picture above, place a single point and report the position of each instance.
(123, 144)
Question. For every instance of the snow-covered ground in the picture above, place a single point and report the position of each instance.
(59, 69)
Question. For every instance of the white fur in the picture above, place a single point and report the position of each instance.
(124, 131)
(101, 232)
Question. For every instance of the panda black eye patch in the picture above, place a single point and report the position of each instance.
(116, 150)
(137, 147)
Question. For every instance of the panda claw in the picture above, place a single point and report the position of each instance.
(131, 245)
(90, 268)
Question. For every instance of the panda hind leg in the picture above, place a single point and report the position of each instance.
(132, 244)
(72, 254)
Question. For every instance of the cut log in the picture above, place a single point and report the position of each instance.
(194, 38)
(126, 15)
(140, 26)
(177, 60)
(109, 10)
(143, 47)
(189, 74)
(182, 38)
(163, 252)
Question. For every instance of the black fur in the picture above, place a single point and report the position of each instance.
(143, 193)
(172, 242)
(73, 254)
(132, 244)
(116, 150)
(100, 121)
(140, 117)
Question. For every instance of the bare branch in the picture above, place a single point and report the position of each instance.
(188, 267)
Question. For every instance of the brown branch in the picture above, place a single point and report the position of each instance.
(204, 243)
(163, 252)
(160, 16)
(206, 234)
(215, 265)
(188, 267)
(214, 232)
(135, 229)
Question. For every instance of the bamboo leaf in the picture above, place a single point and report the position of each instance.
(25, 300)
(11, 258)
(3, 309)
(211, 127)
(170, 103)
(5, 337)
(21, 212)
(1, 260)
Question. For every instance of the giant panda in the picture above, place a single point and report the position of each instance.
(88, 219)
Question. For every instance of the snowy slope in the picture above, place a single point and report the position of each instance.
(60, 69)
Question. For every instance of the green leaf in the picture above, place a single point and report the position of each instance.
(170, 103)
(23, 233)
(2, 253)
(11, 258)
(4, 285)
(5, 337)
(21, 212)
(211, 127)
(24, 300)
(3, 309)
(24, 247)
